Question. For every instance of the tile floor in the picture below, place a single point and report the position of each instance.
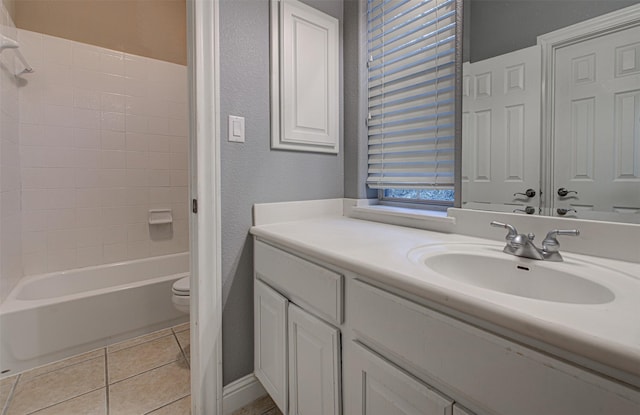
(144, 375)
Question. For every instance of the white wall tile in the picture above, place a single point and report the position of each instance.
(86, 138)
(137, 124)
(55, 74)
(113, 140)
(159, 125)
(86, 118)
(114, 234)
(88, 217)
(137, 159)
(112, 159)
(57, 50)
(137, 142)
(160, 161)
(62, 259)
(34, 263)
(103, 141)
(59, 239)
(137, 196)
(87, 158)
(138, 178)
(34, 242)
(179, 161)
(112, 62)
(86, 237)
(60, 218)
(159, 143)
(113, 102)
(89, 256)
(137, 232)
(88, 197)
(115, 252)
(86, 57)
(112, 178)
(159, 178)
(87, 99)
(113, 197)
(113, 121)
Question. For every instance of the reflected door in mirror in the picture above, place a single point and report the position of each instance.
(596, 131)
(501, 131)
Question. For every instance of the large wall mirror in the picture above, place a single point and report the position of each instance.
(551, 108)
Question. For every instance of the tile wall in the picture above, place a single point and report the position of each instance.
(103, 139)
(10, 220)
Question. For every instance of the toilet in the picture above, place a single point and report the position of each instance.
(181, 297)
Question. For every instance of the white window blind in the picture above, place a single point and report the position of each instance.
(411, 87)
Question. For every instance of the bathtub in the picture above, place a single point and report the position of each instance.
(52, 316)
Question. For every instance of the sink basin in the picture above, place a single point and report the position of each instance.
(489, 268)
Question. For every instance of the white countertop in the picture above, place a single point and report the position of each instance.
(608, 334)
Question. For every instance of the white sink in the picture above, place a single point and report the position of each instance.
(487, 267)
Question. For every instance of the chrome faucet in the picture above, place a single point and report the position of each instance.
(522, 245)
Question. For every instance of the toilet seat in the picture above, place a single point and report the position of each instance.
(182, 287)
(181, 294)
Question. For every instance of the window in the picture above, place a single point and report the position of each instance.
(411, 99)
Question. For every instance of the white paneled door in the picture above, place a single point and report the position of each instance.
(501, 131)
(597, 125)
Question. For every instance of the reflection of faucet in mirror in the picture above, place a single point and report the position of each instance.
(581, 139)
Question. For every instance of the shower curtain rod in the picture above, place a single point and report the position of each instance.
(8, 43)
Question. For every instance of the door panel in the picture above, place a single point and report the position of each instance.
(270, 350)
(314, 365)
(597, 127)
(501, 131)
(376, 387)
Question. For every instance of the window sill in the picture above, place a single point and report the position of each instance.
(415, 218)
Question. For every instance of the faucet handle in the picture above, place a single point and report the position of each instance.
(513, 232)
(551, 244)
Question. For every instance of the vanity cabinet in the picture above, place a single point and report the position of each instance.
(329, 341)
(297, 353)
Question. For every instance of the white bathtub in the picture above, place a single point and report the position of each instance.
(52, 316)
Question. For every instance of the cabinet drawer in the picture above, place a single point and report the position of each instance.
(303, 282)
(487, 372)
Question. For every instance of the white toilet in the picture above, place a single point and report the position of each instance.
(181, 297)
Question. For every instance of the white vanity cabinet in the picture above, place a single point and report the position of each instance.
(297, 353)
(329, 341)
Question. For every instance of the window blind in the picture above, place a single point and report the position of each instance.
(411, 93)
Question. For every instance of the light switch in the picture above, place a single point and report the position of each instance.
(236, 129)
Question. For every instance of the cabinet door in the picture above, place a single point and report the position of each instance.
(270, 337)
(376, 387)
(314, 365)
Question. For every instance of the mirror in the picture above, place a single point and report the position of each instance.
(551, 108)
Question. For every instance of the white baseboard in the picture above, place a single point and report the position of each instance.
(240, 393)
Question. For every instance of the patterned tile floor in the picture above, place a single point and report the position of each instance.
(144, 375)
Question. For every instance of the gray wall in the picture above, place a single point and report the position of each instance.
(501, 26)
(251, 171)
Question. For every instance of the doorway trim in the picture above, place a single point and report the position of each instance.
(205, 221)
(550, 42)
